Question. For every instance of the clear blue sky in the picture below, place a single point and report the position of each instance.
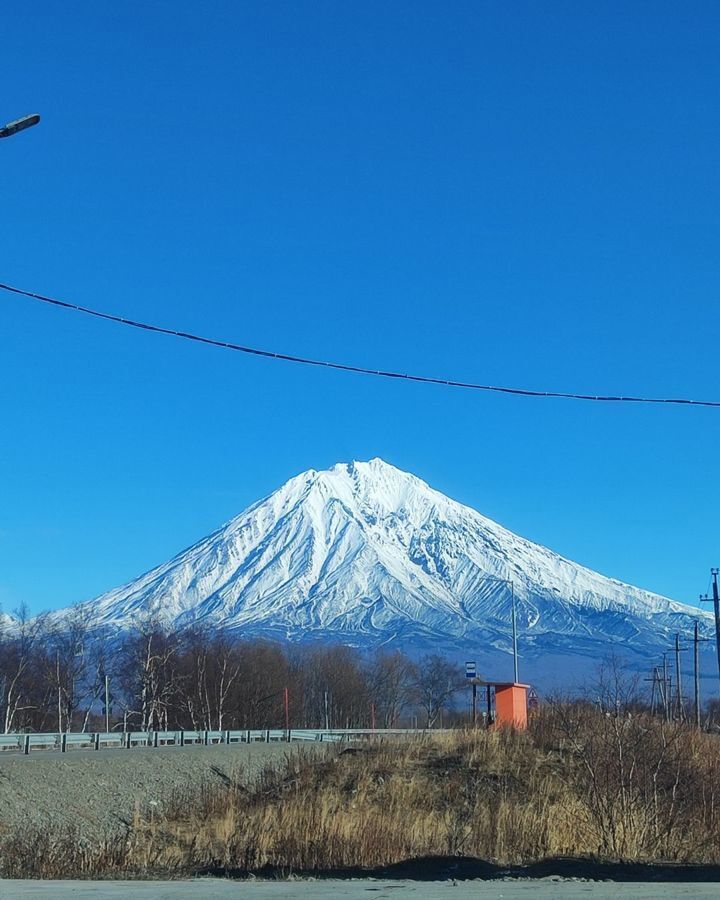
(517, 193)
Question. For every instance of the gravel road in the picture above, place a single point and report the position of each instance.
(360, 889)
(98, 792)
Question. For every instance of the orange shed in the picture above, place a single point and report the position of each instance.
(511, 705)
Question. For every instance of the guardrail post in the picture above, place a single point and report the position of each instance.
(96, 740)
(288, 735)
(182, 739)
(63, 742)
(248, 736)
(267, 736)
(227, 737)
(206, 737)
(26, 744)
(155, 739)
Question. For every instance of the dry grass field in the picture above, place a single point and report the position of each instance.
(579, 783)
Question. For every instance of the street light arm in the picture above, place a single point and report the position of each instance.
(19, 125)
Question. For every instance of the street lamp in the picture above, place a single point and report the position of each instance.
(514, 619)
(19, 125)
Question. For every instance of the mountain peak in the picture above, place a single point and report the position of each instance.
(370, 468)
(366, 553)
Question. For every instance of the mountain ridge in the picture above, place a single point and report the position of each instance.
(366, 554)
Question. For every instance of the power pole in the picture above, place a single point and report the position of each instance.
(666, 690)
(678, 681)
(716, 604)
(655, 678)
(696, 669)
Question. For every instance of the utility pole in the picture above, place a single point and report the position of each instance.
(327, 712)
(716, 605)
(666, 691)
(107, 704)
(696, 670)
(652, 693)
(678, 681)
(655, 679)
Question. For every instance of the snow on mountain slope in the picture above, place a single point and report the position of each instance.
(367, 554)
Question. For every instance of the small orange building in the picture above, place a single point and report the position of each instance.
(511, 708)
(511, 703)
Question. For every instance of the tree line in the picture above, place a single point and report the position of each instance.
(54, 674)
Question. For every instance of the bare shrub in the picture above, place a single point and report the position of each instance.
(647, 786)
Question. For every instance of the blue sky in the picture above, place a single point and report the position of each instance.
(513, 193)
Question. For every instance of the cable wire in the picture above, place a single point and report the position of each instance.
(343, 367)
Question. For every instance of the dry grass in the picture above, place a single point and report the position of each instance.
(578, 784)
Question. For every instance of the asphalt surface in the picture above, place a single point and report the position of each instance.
(360, 889)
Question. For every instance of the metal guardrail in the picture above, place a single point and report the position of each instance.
(65, 741)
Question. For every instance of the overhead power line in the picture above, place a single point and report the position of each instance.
(344, 367)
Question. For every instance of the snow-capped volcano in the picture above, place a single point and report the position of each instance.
(367, 554)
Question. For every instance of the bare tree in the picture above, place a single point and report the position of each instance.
(208, 666)
(21, 688)
(148, 673)
(436, 682)
(391, 678)
(335, 672)
(74, 664)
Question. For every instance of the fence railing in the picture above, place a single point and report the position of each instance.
(73, 740)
